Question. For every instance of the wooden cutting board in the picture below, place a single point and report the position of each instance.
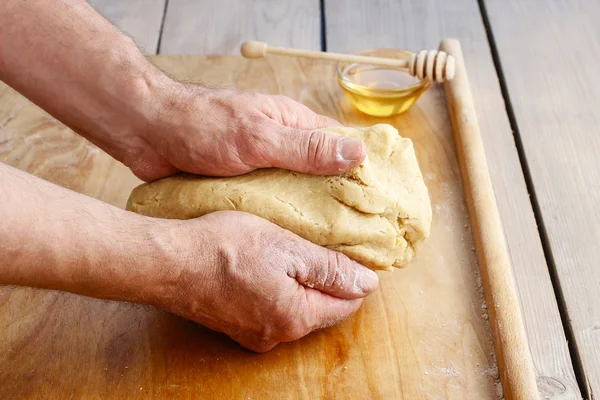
(424, 334)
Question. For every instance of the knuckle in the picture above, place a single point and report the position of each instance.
(288, 111)
(250, 98)
(331, 269)
(279, 98)
(316, 148)
(264, 337)
(285, 327)
(254, 341)
(295, 330)
(346, 272)
(328, 122)
(336, 276)
(256, 142)
(261, 346)
(291, 323)
(253, 128)
(270, 105)
(322, 275)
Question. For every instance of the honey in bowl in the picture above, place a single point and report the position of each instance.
(380, 91)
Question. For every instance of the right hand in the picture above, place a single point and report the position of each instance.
(256, 282)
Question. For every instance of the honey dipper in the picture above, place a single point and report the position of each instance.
(432, 65)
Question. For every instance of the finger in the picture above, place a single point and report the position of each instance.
(305, 118)
(315, 121)
(314, 152)
(150, 166)
(327, 310)
(326, 122)
(256, 346)
(335, 274)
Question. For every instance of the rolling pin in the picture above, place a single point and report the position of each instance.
(508, 331)
(432, 65)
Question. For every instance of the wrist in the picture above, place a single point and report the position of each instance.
(146, 260)
(178, 108)
(130, 105)
(183, 256)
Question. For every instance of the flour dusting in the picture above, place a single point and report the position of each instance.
(490, 370)
(92, 149)
(449, 371)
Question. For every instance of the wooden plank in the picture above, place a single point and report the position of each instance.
(220, 27)
(423, 334)
(551, 73)
(359, 24)
(140, 19)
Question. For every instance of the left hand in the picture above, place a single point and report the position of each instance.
(226, 133)
(248, 278)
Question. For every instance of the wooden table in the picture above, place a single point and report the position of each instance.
(532, 67)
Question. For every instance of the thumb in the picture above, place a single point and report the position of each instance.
(327, 310)
(315, 152)
(335, 274)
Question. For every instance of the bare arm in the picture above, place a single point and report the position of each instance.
(70, 61)
(201, 269)
(73, 63)
(230, 271)
(54, 238)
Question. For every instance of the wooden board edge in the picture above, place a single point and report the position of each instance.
(508, 330)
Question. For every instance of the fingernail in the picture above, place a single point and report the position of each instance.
(350, 149)
(367, 280)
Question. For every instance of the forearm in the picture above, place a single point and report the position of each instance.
(73, 63)
(54, 238)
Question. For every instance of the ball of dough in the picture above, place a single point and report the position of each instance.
(378, 214)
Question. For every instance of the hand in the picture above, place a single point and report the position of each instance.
(231, 271)
(225, 133)
(259, 284)
(107, 91)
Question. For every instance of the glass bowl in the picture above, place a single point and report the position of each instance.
(380, 91)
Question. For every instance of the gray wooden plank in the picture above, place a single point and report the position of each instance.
(140, 19)
(211, 27)
(550, 52)
(362, 24)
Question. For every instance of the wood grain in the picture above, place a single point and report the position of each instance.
(424, 334)
(355, 25)
(220, 27)
(510, 340)
(140, 19)
(552, 80)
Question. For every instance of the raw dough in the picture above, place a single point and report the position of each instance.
(378, 214)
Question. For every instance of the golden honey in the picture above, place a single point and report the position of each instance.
(380, 91)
